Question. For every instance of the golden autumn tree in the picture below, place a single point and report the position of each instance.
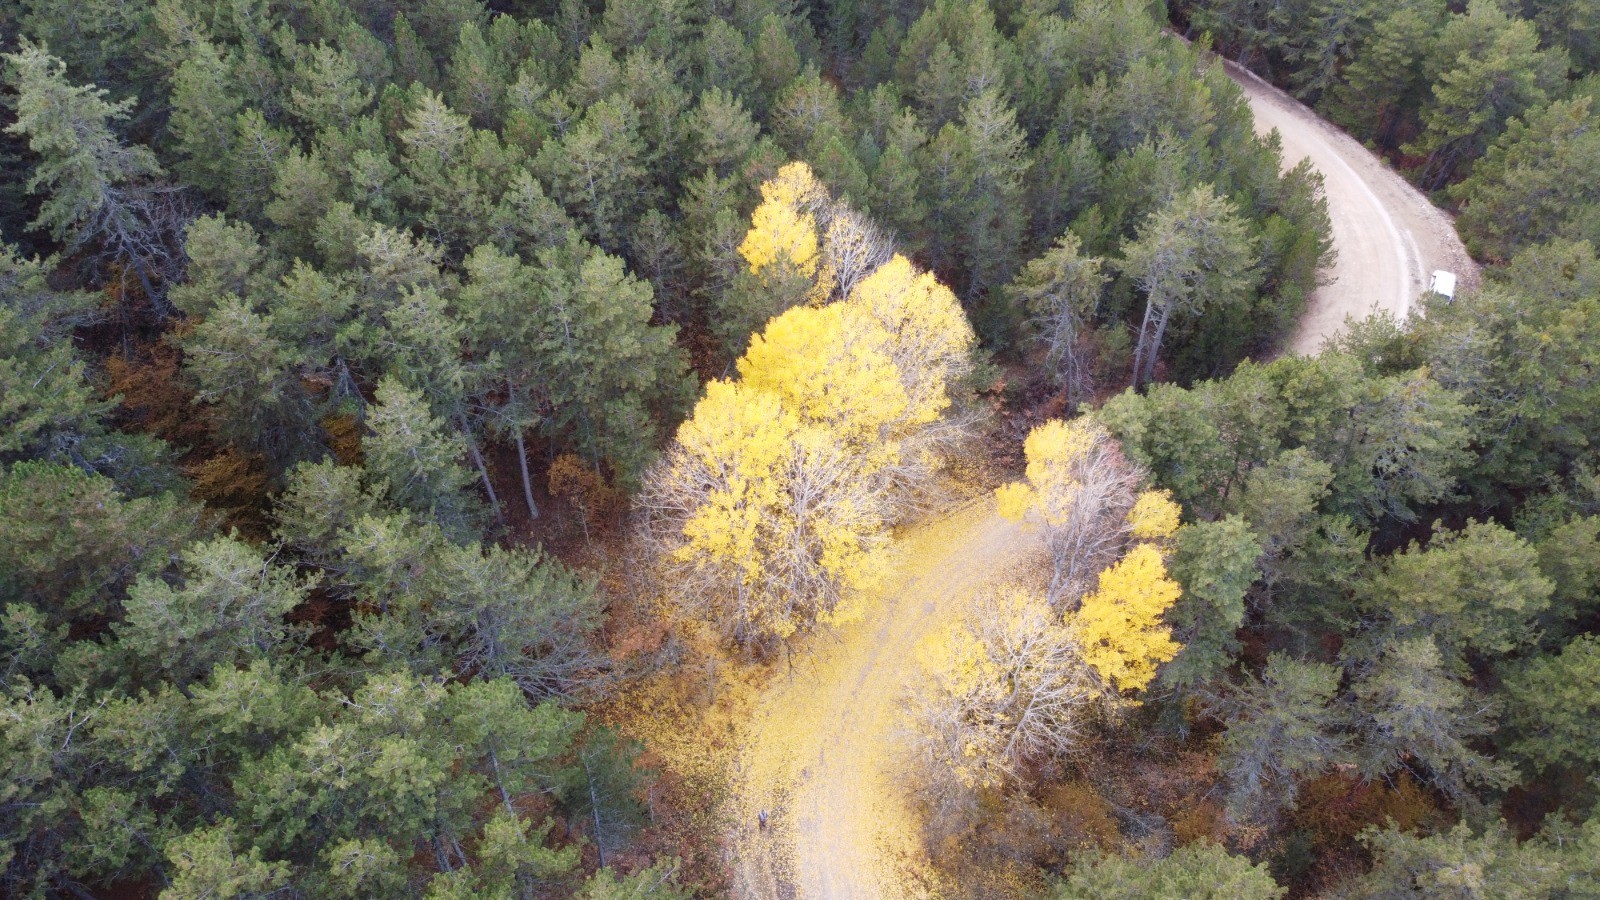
(1079, 488)
(784, 256)
(1100, 529)
(1155, 516)
(878, 366)
(1016, 680)
(1120, 626)
(762, 519)
(1003, 684)
(783, 245)
(771, 510)
(923, 330)
(829, 366)
(919, 326)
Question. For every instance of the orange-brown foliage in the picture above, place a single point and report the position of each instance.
(344, 438)
(154, 399)
(235, 483)
(1199, 819)
(1335, 807)
(580, 485)
(1082, 816)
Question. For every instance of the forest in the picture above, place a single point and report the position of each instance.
(475, 448)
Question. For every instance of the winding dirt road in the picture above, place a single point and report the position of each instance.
(1388, 236)
(821, 759)
(821, 754)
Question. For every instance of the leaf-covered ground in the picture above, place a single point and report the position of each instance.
(823, 751)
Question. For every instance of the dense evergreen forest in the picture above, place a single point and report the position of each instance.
(399, 398)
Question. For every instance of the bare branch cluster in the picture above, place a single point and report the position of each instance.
(1004, 685)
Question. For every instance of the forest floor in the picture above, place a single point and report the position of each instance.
(1389, 237)
(822, 751)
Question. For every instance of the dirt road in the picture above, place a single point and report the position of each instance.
(822, 750)
(1388, 236)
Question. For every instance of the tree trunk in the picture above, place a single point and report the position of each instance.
(1142, 348)
(438, 855)
(1058, 580)
(1155, 344)
(156, 303)
(594, 808)
(527, 482)
(1072, 372)
(499, 782)
(483, 470)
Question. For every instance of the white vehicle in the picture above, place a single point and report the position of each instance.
(1443, 284)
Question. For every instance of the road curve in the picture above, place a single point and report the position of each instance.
(1388, 236)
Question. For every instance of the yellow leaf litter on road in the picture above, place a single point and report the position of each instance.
(824, 751)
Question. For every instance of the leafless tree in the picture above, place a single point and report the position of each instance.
(1086, 517)
(853, 247)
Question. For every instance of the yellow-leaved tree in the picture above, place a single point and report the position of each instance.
(923, 331)
(1002, 684)
(783, 244)
(1155, 517)
(770, 512)
(829, 366)
(1101, 531)
(764, 521)
(877, 367)
(1017, 678)
(1120, 626)
(1080, 489)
